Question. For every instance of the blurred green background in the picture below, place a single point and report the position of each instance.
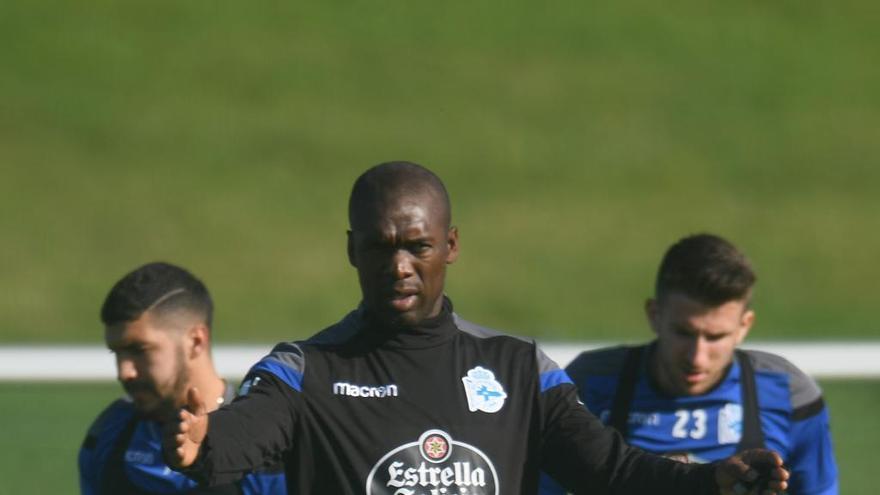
(578, 141)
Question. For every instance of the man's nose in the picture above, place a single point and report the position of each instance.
(401, 264)
(698, 352)
(125, 370)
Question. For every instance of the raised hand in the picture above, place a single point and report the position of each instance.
(753, 472)
(184, 434)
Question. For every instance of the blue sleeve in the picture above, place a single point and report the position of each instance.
(88, 479)
(547, 486)
(263, 483)
(811, 461)
(98, 444)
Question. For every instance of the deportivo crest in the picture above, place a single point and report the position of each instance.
(730, 419)
(435, 464)
(484, 393)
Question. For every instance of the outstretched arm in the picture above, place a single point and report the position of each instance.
(587, 457)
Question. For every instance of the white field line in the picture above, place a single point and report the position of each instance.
(75, 363)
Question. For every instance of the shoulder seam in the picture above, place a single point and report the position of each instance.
(808, 410)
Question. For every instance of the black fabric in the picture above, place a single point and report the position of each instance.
(808, 410)
(348, 415)
(626, 390)
(752, 434)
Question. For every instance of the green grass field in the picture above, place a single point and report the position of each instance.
(45, 423)
(578, 140)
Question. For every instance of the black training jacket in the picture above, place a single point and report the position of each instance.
(447, 408)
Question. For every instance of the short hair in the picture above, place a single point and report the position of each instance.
(395, 179)
(159, 288)
(707, 268)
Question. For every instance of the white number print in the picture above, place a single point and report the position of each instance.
(683, 428)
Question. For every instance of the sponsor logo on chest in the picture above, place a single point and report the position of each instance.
(139, 457)
(434, 465)
(353, 390)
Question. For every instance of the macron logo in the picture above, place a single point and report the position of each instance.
(351, 390)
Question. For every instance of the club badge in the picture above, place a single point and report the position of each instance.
(730, 423)
(484, 393)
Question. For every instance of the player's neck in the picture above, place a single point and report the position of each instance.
(209, 383)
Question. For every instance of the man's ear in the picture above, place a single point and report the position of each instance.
(198, 340)
(652, 313)
(452, 245)
(350, 248)
(748, 319)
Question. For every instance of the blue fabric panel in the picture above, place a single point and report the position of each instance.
(550, 379)
(145, 467)
(811, 461)
(264, 484)
(290, 376)
(105, 430)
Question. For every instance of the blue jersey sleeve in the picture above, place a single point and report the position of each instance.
(88, 482)
(264, 483)
(547, 486)
(98, 443)
(807, 435)
(811, 461)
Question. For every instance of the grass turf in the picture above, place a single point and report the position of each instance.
(45, 423)
(578, 141)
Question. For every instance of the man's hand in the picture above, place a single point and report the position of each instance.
(753, 472)
(185, 433)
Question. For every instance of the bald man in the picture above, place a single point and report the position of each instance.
(404, 397)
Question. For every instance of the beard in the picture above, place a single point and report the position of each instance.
(170, 396)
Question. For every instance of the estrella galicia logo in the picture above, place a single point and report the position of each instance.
(484, 393)
(435, 464)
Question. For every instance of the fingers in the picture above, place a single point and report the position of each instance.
(184, 432)
(762, 457)
(195, 403)
(755, 471)
(771, 467)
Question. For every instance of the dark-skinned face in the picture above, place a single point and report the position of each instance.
(401, 248)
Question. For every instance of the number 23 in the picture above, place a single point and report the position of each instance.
(680, 430)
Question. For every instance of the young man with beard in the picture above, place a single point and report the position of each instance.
(158, 325)
(404, 397)
(690, 394)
